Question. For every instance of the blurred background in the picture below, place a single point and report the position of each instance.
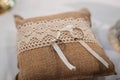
(105, 14)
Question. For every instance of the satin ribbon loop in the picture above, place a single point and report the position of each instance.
(68, 28)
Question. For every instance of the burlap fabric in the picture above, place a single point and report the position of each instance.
(43, 63)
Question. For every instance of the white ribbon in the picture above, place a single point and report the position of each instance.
(94, 54)
(63, 58)
(59, 51)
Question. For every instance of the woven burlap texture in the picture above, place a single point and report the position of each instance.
(43, 63)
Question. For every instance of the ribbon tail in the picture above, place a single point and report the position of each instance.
(94, 54)
(62, 57)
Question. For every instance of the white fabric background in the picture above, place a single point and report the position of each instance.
(33, 8)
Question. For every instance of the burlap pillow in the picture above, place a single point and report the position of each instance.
(59, 47)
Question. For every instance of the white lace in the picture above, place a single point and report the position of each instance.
(38, 34)
(44, 33)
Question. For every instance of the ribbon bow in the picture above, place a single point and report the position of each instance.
(70, 28)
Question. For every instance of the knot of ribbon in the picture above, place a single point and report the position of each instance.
(70, 28)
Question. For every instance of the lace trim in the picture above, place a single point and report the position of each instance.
(42, 33)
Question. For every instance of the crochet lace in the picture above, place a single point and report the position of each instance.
(42, 33)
